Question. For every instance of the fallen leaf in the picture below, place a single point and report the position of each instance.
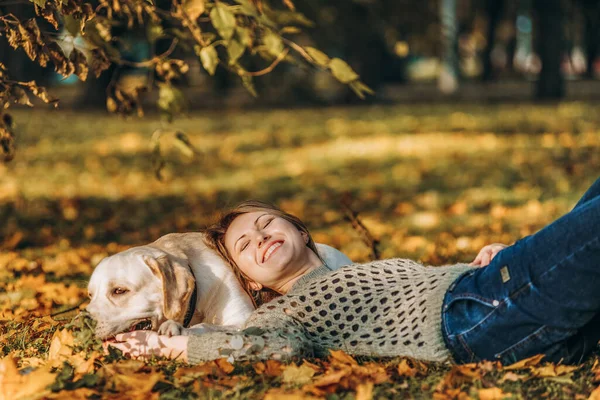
(14, 386)
(331, 378)
(274, 368)
(494, 393)
(526, 363)
(364, 391)
(341, 357)
(225, 365)
(404, 369)
(595, 395)
(79, 394)
(259, 368)
(140, 383)
(511, 377)
(282, 394)
(61, 347)
(297, 375)
(551, 370)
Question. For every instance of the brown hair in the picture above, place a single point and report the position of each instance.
(215, 235)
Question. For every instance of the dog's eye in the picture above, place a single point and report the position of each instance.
(118, 291)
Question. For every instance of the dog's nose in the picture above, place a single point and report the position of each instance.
(90, 309)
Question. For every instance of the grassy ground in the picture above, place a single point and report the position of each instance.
(433, 183)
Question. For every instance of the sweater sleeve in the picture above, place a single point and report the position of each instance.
(266, 336)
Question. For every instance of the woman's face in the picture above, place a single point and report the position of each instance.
(267, 248)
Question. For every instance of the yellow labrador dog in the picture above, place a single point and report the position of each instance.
(172, 284)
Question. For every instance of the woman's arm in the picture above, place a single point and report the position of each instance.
(278, 337)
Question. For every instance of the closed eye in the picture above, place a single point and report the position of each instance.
(245, 245)
(268, 222)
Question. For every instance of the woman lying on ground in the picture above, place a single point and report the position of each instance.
(540, 295)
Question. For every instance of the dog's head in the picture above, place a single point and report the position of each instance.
(138, 289)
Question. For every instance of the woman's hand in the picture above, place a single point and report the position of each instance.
(149, 344)
(487, 254)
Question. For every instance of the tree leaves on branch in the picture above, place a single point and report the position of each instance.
(231, 34)
(209, 58)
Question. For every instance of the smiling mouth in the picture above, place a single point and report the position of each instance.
(271, 249)
(143, 325)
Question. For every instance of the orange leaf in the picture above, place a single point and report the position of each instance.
(526, 363)
(492, 394)
(595, 395)
(341, 357)
(406, 370)
(274, 368)
(138, 383)
(331, 378)
(225, 365)
(259, 368)
(512, 377)
(364, 391)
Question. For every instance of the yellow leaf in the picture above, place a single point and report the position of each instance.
(61, 346)
(297, 375)
(223, 20)
(342, 71)
(273, 43)
(194, 8)
(318, 56)
(14, 386)
(209, 58)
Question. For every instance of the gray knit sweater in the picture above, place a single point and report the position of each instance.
(383, 308)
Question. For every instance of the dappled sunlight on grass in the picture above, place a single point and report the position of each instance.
(429, 183)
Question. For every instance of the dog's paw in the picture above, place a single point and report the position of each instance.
(171, 328)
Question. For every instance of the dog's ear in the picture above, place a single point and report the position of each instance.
(177, 284)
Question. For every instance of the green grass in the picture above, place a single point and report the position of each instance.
(433, 183)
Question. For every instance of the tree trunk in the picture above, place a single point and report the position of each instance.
(550, 84)
(494, 11)
(448, 78)
(591, 12)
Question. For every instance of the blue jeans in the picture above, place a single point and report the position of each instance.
(538, 296)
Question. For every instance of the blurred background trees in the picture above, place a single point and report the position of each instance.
(397, 44)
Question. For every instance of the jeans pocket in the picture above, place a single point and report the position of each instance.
(544, 340)
(466, 311)
(464, 318)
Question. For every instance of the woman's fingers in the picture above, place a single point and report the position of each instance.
(487, 254)
(486, 258)
(477, 260)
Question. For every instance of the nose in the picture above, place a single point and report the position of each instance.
(263, 238)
